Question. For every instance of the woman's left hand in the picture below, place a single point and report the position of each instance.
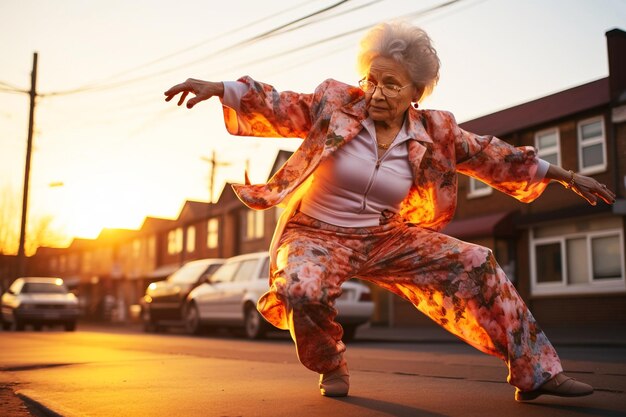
(587, 187)
(590, 189)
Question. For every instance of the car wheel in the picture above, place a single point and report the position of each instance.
(255, 326)
(192, 319)
(70, 327)
(349, 332)
(6, 325)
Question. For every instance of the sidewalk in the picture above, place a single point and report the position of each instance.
(580, 335)
(605, 335)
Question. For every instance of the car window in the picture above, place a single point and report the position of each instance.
(246, 271)
(264, 272)
(188, 274)
(43, 288)
(225, 272)
(210, 271)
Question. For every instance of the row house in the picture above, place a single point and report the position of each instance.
(565, 256)
(111, 272)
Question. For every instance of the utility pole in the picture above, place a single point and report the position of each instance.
(214, 164)
(21, 256)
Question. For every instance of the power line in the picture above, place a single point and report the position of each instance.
(299, 48)
(13, 91)
(5, 84)
(248, 41)
(420, 13)
(192, 47)
(313, 21)
(280, 54)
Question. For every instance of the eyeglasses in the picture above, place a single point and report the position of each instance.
(388, 90)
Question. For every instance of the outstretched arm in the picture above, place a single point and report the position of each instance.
(586, 187)
(203, 90)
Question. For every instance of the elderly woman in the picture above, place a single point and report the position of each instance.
(367, 192)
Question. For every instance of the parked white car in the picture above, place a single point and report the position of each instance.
(38, 301)
(229, 299)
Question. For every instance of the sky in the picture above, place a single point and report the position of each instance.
(103, 130)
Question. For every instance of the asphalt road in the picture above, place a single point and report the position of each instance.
(103, 372)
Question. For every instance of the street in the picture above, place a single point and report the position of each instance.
(104, 371)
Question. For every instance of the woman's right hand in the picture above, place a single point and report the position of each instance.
(203, 90)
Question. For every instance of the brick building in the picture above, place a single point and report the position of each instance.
(565, 257)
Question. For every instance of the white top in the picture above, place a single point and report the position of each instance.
(354, 185)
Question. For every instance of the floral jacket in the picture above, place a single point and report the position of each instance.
(332, 116)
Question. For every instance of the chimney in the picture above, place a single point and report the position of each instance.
(616, 46)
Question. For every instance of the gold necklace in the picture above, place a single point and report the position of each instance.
(384, 146)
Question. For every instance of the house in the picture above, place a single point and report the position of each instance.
(565, 256)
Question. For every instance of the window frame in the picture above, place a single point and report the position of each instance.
(478, 192)
(541, 152)
(594, 169)
(607, 285)
(258, 224)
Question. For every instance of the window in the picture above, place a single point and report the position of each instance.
(591, 146)
(152, 247)
(547, 144)
(477, 188)
(549, 265)
(175, 241)
(62, 263)
(136, 248)
(566, 261)
(191, 239)
(54, 264)
(253, 224)
(87, 265)
(73, 262)
(265, 269)
(278, 211)
(225, 273)
(246, 270)
(212, 234)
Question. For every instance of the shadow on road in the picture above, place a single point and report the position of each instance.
(583, 411)
(389, 408)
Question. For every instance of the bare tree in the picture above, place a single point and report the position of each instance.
(40, 229)
(9, 220)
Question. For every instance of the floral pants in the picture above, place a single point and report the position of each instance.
(457, 284)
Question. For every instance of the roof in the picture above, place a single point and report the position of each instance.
(194, 210)
(543, 110)
(155, 224)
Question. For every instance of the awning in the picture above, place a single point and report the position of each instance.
(498, 224)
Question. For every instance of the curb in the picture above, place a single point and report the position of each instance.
(30, 399)
(557, 343)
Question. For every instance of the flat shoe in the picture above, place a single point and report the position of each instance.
(335, 383)
(560, 385)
